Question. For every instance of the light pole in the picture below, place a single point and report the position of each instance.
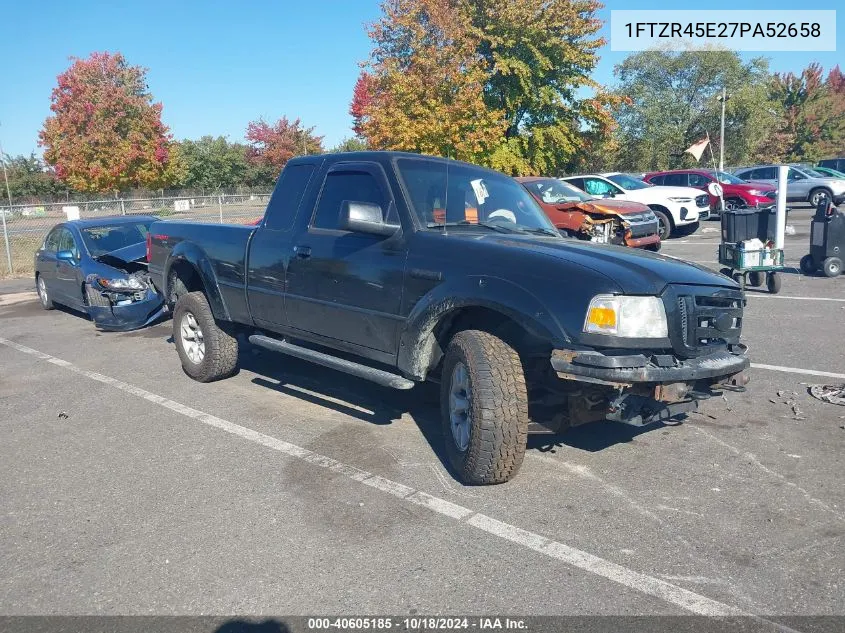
(724, 98)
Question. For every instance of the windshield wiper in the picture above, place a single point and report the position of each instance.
(501, 228)
(542, 231)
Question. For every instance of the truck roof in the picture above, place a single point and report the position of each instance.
(380, 156)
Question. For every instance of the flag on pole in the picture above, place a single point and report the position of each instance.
(697, 148)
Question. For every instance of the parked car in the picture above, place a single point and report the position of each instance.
(735, 192)
(830, 173)
(678, 209)
(606, 221)
(98, 266)
(803, 184)
(833, 163)
(398, 268)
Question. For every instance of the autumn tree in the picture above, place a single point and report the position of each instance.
(106, 133)
(673, 102)
(426, 84)
(362, 96)
(813, 113)
(271, 146)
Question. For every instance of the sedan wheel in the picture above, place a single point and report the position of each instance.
(193, 341)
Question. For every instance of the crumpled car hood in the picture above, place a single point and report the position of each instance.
(127, 254)
(608, 207)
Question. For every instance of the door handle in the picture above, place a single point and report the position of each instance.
(303, 252)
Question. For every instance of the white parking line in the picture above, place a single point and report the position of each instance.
(766, 296)
(666, 591)
(796, 370)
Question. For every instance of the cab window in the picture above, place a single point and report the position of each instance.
(340, 186)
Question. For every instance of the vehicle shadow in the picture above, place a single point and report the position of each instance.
(371, 403)
(244, 626)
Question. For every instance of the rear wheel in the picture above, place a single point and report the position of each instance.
(807, 265)
(816, 196)
(773, 281)
(206, 351)
(832, 267)
(43, 294)
(484, 408)
(755, 279)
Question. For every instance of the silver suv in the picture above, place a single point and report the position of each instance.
(803, 184)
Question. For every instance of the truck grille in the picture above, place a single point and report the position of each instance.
(703, 320)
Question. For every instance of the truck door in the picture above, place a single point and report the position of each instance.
(343, 285)
(270, 248)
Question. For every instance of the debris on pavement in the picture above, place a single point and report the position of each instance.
(62, 415)
(833, 394)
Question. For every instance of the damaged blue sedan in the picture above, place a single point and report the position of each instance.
(99, 266)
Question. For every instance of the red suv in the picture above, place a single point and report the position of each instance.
(737, 193)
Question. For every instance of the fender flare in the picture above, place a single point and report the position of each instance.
(416, 341)
(193, 255)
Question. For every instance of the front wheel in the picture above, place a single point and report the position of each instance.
(807, 265)
(206, 351)
(484, 408)
(664, 224)
(832, 267)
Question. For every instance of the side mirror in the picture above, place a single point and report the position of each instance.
(66, 256)
(364, 217)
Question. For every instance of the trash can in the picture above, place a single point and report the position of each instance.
(767, 224)
(827, 242)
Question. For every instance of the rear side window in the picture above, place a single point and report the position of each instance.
(576, 182)
(340, 186)
(675, 180)
(281, 211)
(656, 180)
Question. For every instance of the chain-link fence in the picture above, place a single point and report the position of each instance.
(25, 226)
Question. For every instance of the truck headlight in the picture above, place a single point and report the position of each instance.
(629, 317)
(122, 285)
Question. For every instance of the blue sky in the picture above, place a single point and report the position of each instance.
(217, 65)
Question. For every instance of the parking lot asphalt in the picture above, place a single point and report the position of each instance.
(128, 488)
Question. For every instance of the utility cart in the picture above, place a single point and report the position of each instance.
(827, 241)
(747, 252)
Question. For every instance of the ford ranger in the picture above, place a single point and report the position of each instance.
(401, 268)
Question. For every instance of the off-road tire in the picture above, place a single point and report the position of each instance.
(807, 265)
(221, 349)
(43, 294)
(498, 408)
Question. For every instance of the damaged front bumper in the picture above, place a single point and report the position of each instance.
(121, 312)
(640, 389)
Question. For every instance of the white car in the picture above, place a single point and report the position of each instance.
(678, 209)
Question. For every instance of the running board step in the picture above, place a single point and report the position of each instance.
(379, 376)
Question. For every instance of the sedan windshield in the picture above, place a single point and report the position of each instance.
(100, 240)
(554, 191)
(628, 182)
(450, 194)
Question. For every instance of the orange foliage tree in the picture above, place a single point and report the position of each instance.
(106, 133)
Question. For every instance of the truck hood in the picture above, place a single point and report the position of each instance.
(633, 270)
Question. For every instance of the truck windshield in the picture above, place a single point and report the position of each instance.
(446, 194)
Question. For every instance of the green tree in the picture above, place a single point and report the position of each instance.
(106, 132)
(672, 101)
(213, 163)
(351, 144)
(538, 56)
(29, 177)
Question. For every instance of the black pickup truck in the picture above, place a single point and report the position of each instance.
(402, 268)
